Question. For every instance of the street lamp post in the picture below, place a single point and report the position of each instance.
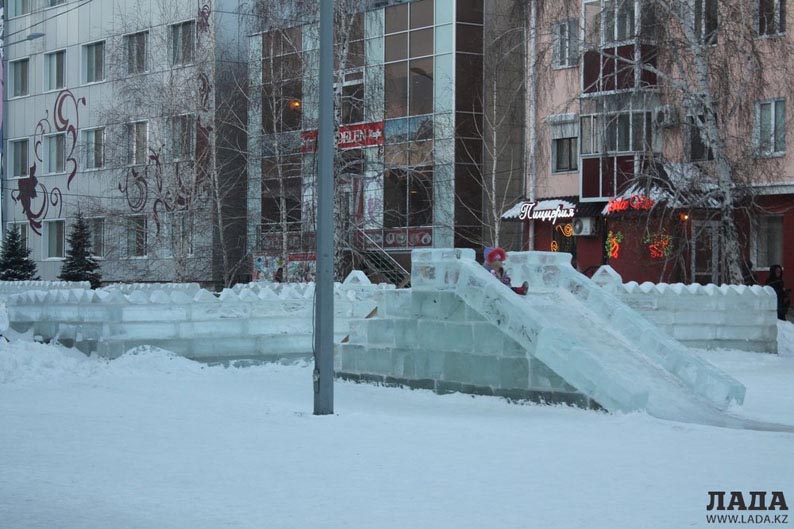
(324, 286)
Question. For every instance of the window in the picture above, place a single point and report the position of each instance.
(768, 241)
(97, 227)
(282, 85)
(136, 236)
(282, 192)
(182, 43)
(53, 3)
(19, 7)
(54, 238)
(706, 20)
(94, 62)
(566, 44)
(136, 52)
(182, 137)
(771, 127)
(55, 160)
(18, 159)
(409, 57)
(23, 232)
(566, 154)
(771, 17)
(94, 148)
(621, 132)
(179, 235)
(19, 78)
(591, 135)
(54, 70)
(138, 138)
(408, 197)
(698, 150)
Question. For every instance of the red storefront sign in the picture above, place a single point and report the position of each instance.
(348, 137)
(638, 202)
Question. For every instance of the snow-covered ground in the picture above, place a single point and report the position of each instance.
(155, 441)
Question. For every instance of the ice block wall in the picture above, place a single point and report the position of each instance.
(257, 321)
(702, 316)
(586, 341)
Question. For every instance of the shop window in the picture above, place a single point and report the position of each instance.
(771, 17)
(408, 197)
(768, 241)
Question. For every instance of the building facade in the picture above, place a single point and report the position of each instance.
(410, 156)
(115, 112)
(625, 125)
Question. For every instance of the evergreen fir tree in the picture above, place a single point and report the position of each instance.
(15, 261)
(79, 265)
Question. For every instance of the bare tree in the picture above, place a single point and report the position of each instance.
(679, 83)
(176, 148)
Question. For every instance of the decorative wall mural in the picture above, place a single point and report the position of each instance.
(29, 190)
(204, 89)
(204, 17)
(180, 196)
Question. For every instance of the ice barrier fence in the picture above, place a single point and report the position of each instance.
(262, 321)
(567, 340)
(702, 316)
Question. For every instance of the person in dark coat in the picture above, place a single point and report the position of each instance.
(775, 280)
(278, 277)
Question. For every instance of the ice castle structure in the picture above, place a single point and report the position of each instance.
(568, 340)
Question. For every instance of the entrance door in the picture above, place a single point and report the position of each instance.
(705, 252)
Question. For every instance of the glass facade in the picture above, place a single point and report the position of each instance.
(409, 138)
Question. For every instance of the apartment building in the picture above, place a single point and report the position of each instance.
(630, 102)
(120, 110)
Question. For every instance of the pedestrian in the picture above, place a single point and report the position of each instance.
(278, 277)
(494, 260)
(775, 280)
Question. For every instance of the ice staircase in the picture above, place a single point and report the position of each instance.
(587, 336)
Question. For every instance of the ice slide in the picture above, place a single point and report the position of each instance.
(589, 337)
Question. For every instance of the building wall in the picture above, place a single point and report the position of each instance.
(429, 141)
(118, 190)
(562, 96)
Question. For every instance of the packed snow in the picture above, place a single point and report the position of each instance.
(155, 440)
